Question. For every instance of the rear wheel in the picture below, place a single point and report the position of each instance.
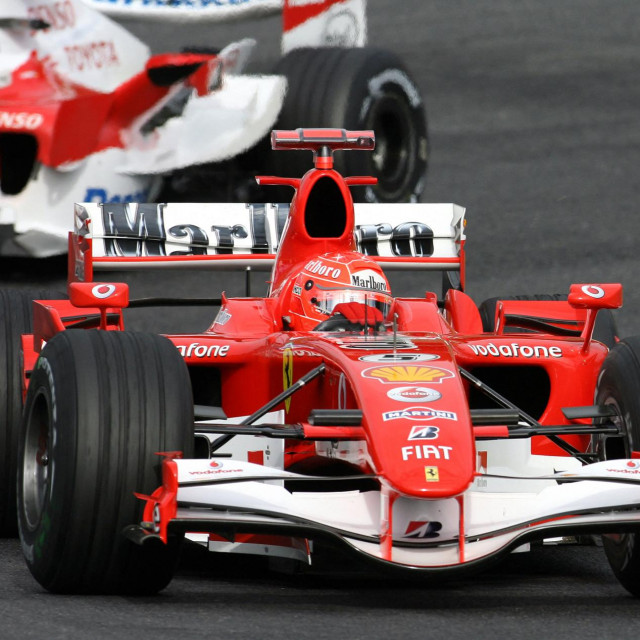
(358, 89)
(619, 386)
(16, 311)
(100, 405)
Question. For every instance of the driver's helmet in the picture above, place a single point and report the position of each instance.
(334, 278)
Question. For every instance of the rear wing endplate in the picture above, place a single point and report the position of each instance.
(122, 236)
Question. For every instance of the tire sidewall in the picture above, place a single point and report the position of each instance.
(111, 401)
(618, 385)
(43, 540)
(16, 309)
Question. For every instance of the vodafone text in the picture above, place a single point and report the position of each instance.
(514, 350)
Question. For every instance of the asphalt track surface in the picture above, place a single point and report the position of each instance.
(535, 127)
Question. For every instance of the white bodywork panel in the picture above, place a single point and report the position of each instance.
(340, 23)
(609, 493)
(213, 128)
(40, 213)
(253, 226)
(343, 24)
(82, 44)
(187, 11)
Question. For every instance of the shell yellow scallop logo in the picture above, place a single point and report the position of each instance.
(409, 373)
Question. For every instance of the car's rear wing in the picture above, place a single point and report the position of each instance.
(117, 236)
(188, 11)
(319, 23)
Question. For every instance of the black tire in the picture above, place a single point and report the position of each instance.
(16, 312)
(619, 385)
(605, 330)
(100, 405)
(357, 89)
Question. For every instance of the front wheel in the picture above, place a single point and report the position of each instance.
(619, 386)
(100, 405)
(16, 312)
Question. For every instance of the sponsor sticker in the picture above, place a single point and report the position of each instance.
(482, 469)
(399, 357)
(593, 291)
(92, 55)
(414, 394)
(426, 452)
(515, 350)
(408, 373)
(368, 279)
(422, 529)
(418, 413)
(215, 469)
(103, 291)
(420, 432)
(223, 317)
(431, 474)
(197, 350)
(20, 120)
(320, 268)
(631, 467)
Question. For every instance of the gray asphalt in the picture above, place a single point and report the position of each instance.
(535, 127)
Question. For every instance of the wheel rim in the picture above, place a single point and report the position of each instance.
(37, 463)
(615, 448)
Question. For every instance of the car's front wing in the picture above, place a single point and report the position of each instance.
(234, 497)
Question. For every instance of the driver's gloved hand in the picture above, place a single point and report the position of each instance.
(355, 312)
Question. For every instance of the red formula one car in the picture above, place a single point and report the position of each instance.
(405, 430)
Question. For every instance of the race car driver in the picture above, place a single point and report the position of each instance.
(340, 291)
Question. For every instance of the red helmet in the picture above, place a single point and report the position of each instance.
(334, 278)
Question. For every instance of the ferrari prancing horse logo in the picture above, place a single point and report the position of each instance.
(431, 474)
(287, 374)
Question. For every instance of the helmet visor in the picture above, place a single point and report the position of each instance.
(327, 299)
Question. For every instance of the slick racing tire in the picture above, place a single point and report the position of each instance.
(100, 405)
(619, 386)
(357, 89)
(605, 330)
(16, 311)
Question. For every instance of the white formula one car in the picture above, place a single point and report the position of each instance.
(88, 114)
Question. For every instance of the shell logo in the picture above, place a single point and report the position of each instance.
(412, 373)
